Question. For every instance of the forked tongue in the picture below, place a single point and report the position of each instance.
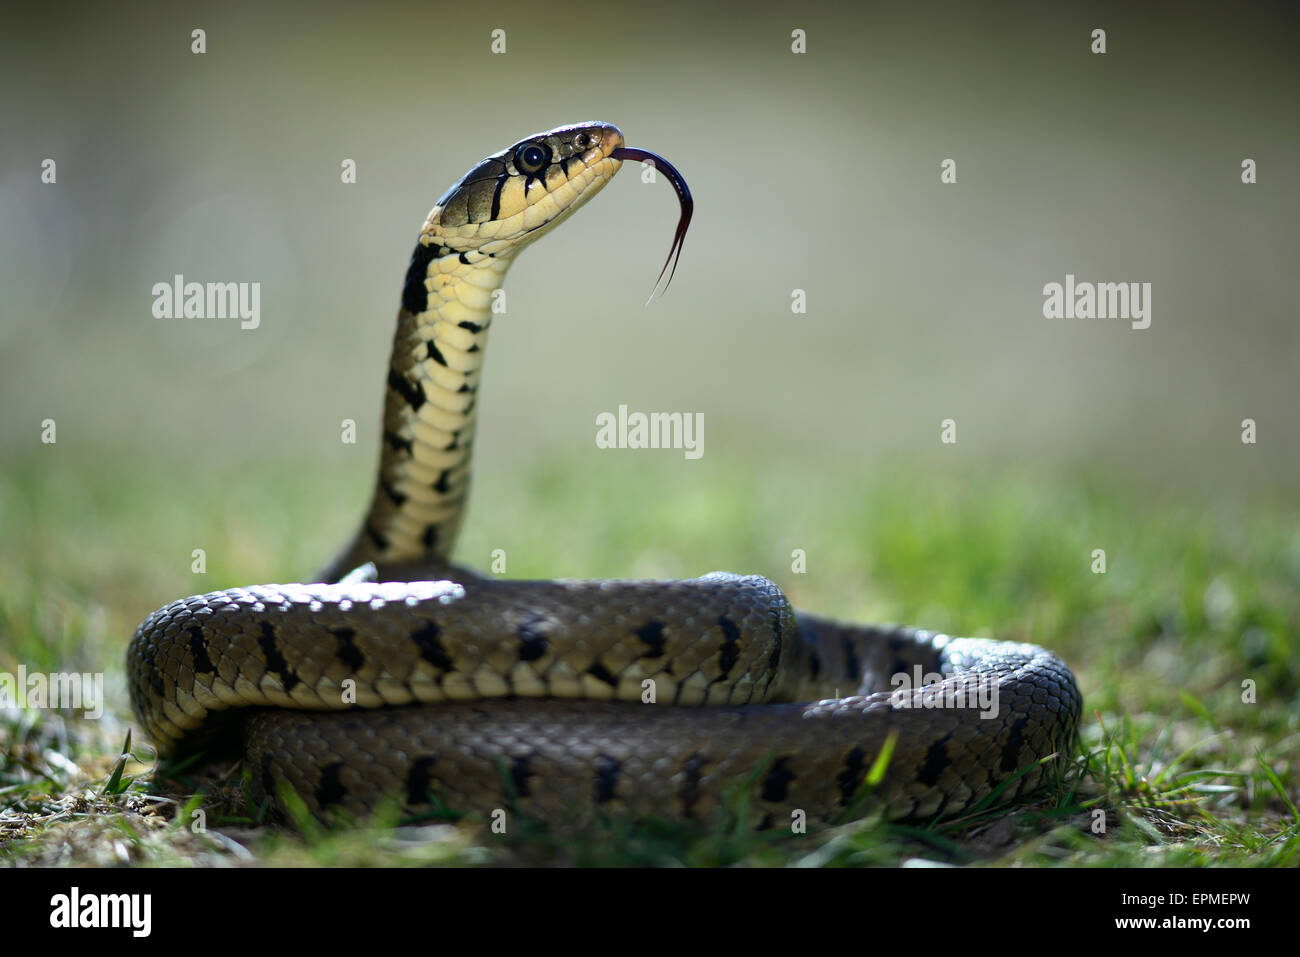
(684, 197)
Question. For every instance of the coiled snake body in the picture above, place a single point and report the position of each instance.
(422, 685)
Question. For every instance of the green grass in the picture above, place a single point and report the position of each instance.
(1200, 595)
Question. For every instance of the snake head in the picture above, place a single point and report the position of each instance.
(517, 195)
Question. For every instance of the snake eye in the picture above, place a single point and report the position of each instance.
(581, 141)
(530, 157)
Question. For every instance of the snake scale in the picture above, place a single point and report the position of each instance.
(416, 684)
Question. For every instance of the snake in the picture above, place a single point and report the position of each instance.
(399, 681)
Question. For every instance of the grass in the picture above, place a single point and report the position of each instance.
(1183, 647)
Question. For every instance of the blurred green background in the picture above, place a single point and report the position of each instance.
(817, 171)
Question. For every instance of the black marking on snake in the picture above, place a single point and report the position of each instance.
(850, 779)
(435, 354)
(776, 783)
(397, 443)
(689, 792)
(347, 652)
(441, 484)
(275, 662)
(729, 653)
(652, 633)
(396, 497)
(419, 780)
(601, 673)
(465, 259)
(379, 538)
(330, 790)
(1010, 760)
(496, 198)
(429, 536)
(199, 651)
(268, 781)
(411, 392)
(470, 326)
(852, 664)
(899, 666)
(936, 761)
(520, 772)
(607, 769)
(427, 639)
(532, 638)
(415, 295)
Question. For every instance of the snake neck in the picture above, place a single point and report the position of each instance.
(429, 409)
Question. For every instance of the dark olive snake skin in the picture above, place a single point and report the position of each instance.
(424, 687)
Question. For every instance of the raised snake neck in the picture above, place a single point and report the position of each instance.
(474, 695)
(437, 356)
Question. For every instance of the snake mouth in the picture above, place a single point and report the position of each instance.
(684, 197)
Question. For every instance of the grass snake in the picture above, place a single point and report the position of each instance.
(403, 681)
